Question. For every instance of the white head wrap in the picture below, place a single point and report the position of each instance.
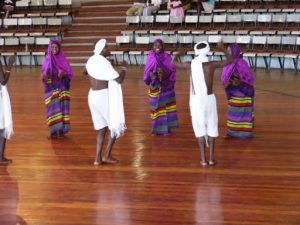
(202, 51)
(99, 46)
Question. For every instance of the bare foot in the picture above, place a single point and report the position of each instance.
(97, 163)
(61, 135)
(203, 163)
(110, 160)
(212, 162)
(53, 136)
(5, 161)
(227, 137)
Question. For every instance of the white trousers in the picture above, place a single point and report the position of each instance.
(99, 107)
(208, 124)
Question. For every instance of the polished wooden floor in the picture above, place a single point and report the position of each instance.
(159, 179)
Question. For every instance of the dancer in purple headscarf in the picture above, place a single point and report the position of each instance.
(160, 75)
(238, 80)
(56, 76)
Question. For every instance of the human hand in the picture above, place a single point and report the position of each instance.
(61, 75)
(220, 44)
(11, 61)
(45, 77)
(180, 53)
(152, 75)
(123, 65)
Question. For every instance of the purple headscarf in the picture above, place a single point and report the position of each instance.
(239, 67)
(56, 63)
(162, 60)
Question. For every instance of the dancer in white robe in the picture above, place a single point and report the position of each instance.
(6, 122)
(105, 100)
(203, 105)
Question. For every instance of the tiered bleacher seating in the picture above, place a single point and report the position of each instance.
(27, 32)
(266, 29)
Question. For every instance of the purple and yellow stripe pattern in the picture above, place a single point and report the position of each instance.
(240, 121)
(58, 110)
(163, 111)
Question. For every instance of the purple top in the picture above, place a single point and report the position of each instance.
(55, 64)
(239, 67)
(164, 61)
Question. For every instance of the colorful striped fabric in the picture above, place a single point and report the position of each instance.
(163, 110)
(57, 110)
(240, 121)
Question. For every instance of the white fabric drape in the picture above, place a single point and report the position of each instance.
(100, 68)
(6, 107)
(198, 88)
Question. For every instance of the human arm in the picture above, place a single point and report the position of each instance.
(228, 60)
(122, 73)
(61, 74)
(5, 73)
(84, 72)
(177, 64)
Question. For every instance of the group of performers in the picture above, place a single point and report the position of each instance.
(105, 97)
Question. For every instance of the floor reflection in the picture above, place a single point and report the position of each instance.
(9, 199)
(208, 203)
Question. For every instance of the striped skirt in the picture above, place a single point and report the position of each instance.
(240, 121)
(163, 111)
(58, 110)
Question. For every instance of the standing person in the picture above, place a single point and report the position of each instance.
(137, 8)
(152, 6)
(160, 75)
(56, 77)
(186, 4)
(9, 6)
(6, 123)
(176, 8)
(202, 100)
(208, 6)
(105, 100)
(238, 81)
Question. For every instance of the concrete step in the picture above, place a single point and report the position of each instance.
(83, 47)
(123, 8)
(97, 27)
(74, 34)
(81, 14)
(99, 21)
(84, 38)
(99, 17)
(107, 2)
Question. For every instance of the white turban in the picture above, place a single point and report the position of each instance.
(202, 51)
(99, 46)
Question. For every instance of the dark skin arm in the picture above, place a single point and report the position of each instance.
(210, 67)
(5, 73)
(122, 72)
(101, 84)
(185, 65)
(220, 64)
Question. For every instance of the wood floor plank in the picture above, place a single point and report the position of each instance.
(159, 179)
